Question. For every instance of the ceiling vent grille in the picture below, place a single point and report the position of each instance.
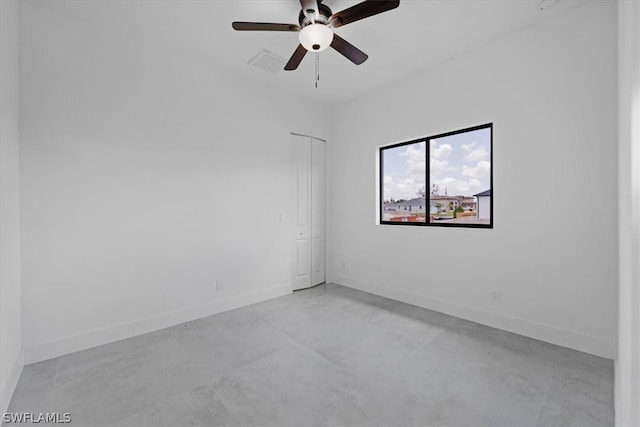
(268, 61)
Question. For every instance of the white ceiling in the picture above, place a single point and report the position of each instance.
(401, 42)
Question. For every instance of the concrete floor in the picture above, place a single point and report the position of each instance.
(326, 356)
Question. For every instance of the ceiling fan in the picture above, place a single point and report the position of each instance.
(316, 24)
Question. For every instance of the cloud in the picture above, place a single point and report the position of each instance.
(438, 162)
(404, 189)
(413, 178)
(458, 187)
(416, 155)
(465, 187)
(479, 153)
(480, 170)
(469, 147)
(473, 152)
(440, 151)
(447, 180)
(439, 167)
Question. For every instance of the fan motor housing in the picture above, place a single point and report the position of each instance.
(324, 13)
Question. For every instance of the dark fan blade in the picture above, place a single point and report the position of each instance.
(309, 5)
(296, 58)
(263, 26)
(362, 10)
(349, 51)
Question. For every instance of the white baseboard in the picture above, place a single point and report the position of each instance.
(6, 392)
(48, 350)
(551, 334)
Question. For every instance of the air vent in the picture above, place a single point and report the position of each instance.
(268, 61)
(546, 4)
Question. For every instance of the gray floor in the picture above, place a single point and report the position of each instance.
(326, 356)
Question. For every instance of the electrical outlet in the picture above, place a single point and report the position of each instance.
(496, 295)
(219, 285)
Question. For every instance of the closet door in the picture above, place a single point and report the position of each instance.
(308, 176)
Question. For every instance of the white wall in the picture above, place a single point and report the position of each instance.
(627, 391)
(146, 177)
(550, 91)
(11, 358)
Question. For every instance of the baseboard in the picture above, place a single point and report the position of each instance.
(551, 334)
(6, 392)
(48, 350)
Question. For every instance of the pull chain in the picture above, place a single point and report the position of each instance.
(317, 68)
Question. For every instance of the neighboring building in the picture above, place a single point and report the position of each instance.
(417, 205)
(484, 204)
(468, 203)
(438, 204)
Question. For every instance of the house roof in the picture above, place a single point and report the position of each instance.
(418, 201)
(484, 193)
(448, 197)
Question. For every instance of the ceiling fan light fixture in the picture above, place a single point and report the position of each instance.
(315, 37)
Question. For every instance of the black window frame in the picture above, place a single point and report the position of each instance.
(427, 141)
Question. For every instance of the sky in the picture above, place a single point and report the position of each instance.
(459, 163)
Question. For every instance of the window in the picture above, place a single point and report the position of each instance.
(453, 188)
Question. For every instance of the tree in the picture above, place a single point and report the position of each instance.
(435, 189)
(421, 192)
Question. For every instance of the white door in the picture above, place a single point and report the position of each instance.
(308, 175)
